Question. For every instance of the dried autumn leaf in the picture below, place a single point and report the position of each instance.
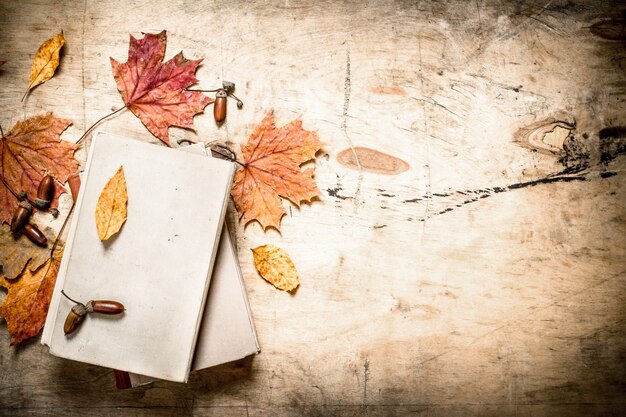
(32, 148)
(276, 267)
(46, 61)
(111, 206)
(154, 90)
(16, 253)
(272, 159)
(26, 304)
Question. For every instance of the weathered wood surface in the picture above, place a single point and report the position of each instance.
(487, 279)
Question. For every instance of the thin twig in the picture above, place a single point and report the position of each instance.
(56, 240)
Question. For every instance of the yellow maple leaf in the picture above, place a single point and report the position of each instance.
(26, 304)
(46, 61)
(276, 267)
(111, 206)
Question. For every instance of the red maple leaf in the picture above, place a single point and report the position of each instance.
(154, 90)
(31, 149)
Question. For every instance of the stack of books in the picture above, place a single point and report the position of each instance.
(172, 265)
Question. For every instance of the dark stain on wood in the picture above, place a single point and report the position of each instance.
(334, 192)
(610, 29)
(612, 143)
(577, 159)
(459, 199)
(577, 155)
(371, 160)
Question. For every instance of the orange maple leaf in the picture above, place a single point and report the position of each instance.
(272, 159)
(31, 149)
(154, 90)
(26, 304)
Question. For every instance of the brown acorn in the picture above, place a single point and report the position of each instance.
(21, 216)
(219, 107)
(105, 307)
(74, 318)
(35, 235)
(45, 192)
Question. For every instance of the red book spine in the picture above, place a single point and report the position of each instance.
(122, 379)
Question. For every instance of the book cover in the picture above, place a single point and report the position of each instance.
(159, 265)
(227, 330)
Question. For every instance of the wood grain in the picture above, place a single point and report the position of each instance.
(487, 279)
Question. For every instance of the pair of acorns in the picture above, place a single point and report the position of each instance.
(20, 222)
(80, 310)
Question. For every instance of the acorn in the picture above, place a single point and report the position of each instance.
(80, 310)
(21, 216)
(105, 307)
(45, 193)
(74, 318)
(35, 235)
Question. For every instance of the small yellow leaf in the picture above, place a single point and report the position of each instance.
(111, 207)
(276, 267)
(46, 60)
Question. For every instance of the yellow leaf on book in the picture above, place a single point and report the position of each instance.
(276, 267)
(46, 61)
(111, 206)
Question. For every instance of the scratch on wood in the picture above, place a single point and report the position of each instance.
(347, 89)
(366, 377)
(471, 196)
(428, 170)
(82, 64)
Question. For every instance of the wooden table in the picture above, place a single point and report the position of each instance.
(487, 279)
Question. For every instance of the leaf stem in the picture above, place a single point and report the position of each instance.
(16, 195)
(26, 93)
(204, 91)
(68, 297)
(8, 187)
(96, 123)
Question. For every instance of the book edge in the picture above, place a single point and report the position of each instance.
(207, 283)
(53, 308)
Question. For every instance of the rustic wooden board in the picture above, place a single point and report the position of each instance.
(487, 279)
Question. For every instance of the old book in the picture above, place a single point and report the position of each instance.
(227, 330)
(159, 265)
